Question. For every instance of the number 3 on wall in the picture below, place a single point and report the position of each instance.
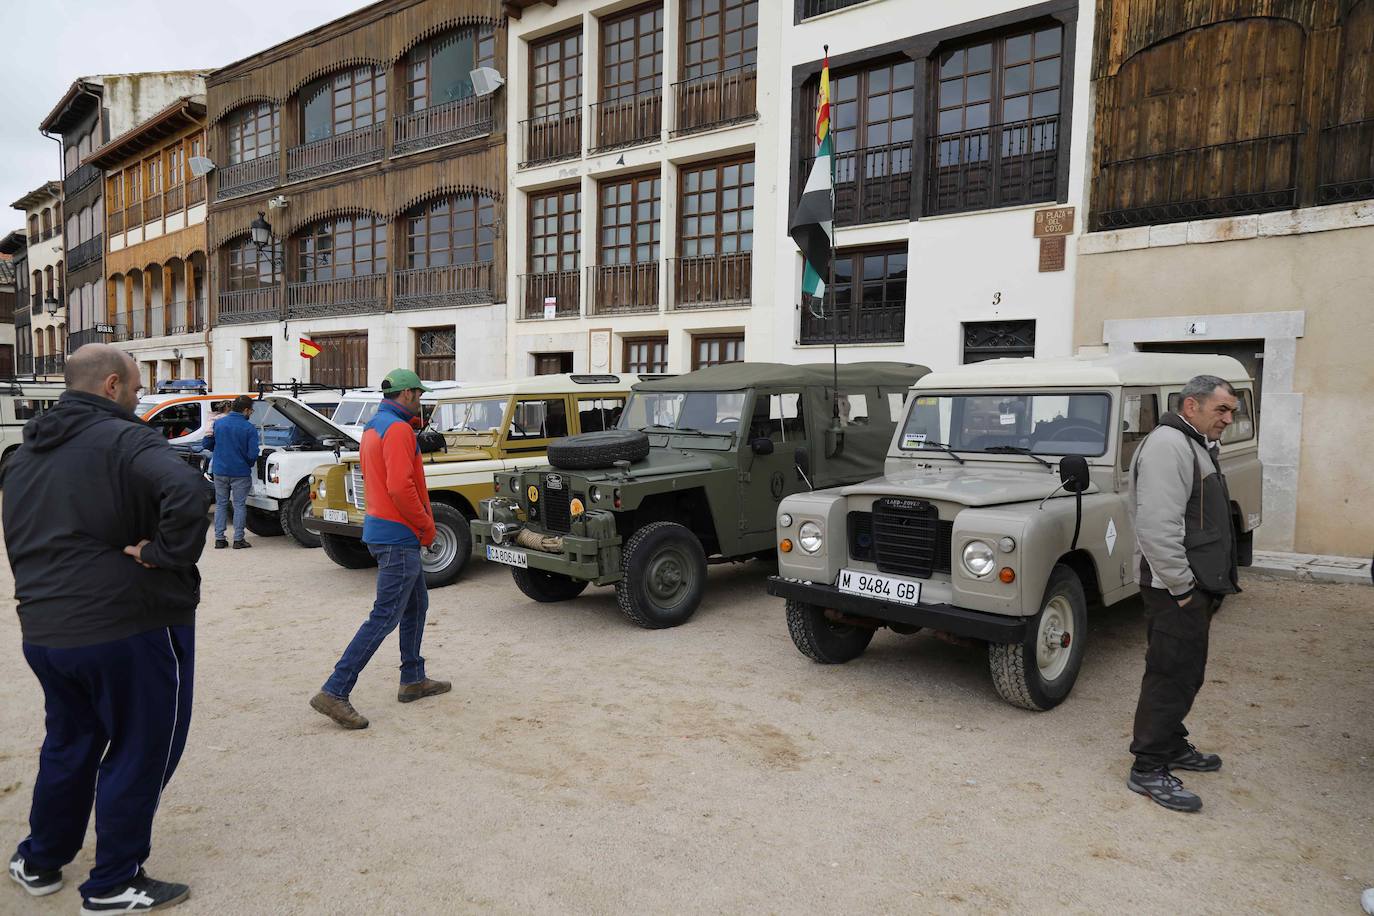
(997, 298)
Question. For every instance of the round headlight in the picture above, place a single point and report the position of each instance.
(1007, 544)
(320, 488)
(809, 537)
(979, 558)
(595, 494)
(785, 520)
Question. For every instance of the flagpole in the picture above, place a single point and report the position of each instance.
(830, 288)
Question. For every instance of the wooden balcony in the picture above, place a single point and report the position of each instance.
(564, 287)
(622, 289)
(245, 177)
(728, 97)
(451, 122)
(872, 185)
(712, 281)
(866, 322)
(628, 121)
(440, 287)
(336, 153)
(344, 296)
(247, 305)
(550, 138)
(195, 191)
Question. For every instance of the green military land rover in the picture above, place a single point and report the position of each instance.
(693, 474)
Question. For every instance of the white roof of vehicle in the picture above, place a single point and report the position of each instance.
(1129, 369)
(375, 394)
(546, 384)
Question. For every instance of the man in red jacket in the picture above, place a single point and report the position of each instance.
(399, 522)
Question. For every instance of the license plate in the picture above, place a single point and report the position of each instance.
(876, 585)
(507, 556)
(336, 515)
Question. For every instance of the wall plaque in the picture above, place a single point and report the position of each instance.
(1054, 221)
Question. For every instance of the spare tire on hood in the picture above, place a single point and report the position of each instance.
(590, 451)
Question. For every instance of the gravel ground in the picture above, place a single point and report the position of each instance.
(582, 765)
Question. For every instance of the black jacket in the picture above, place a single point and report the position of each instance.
(90, 480)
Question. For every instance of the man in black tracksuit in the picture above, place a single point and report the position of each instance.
(1187, 565)
(103, 524)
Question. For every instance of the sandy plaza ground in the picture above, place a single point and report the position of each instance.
(583, 765)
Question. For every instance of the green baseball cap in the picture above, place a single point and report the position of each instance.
(402, 380)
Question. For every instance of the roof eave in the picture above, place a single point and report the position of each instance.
(182, 114)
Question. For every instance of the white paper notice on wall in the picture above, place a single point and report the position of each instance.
(1111, 536)
(550, 306)
(228, 357)
(1008, 419)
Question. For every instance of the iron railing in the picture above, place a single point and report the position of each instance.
(811, 8)
(872, 185)
(244, 305)
(78, 339)
(1226, 179)
(865, 322)
(253, 175)
(344, 296)
(79, 179)
(627, 121)
(727, 97)
(618, 289)
(451, 285)
(158, 321)
(332, 154)
(460, 119)
(712, 281)
(87, 252)
(1001, 165)
(1346, 163)
(53, 364)
(23, 364)
(550, 138)
(564, 287)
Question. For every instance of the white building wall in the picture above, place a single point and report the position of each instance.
(45, 254)
(132, 98)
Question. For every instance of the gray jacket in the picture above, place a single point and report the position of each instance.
(1185, 535)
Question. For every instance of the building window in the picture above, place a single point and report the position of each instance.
(555, 237)
(354, 246)
(995, 140)
(997, 339)
(719, 35)
(259, 360)
(247, 268)
(436, 353)
(630, 211)
(871, 122)
(868, 299)
(439, 70)
(451, 231)
(715, 349)
(715, 235)
(253, 132)
(552, 363)
(556, 75)
(646, 354)
(631, 106)
(346, 101)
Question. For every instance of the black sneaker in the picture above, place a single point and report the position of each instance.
(221, 543)
(1165, 788)
(37, 883)
(242, 545)
(1193, 759)
(139, 895)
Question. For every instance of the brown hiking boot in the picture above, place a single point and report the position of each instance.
(341, 711)
(409, 693)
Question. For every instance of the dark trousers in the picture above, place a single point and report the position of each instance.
(1175, 667)
(116, 714)
(402, 600)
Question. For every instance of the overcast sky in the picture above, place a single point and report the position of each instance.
(45, 44)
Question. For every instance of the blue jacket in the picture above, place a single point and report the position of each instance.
(235, 445)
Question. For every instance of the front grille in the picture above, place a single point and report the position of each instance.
(909, 539)
(557, 517)
(358, 496)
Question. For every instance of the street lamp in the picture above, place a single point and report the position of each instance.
(261, 231)
(52, 305)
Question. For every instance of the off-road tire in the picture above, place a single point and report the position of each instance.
(822, 639)
(292, 516)
(661, 551)
(603, 449)
(452, 547)
(350, 553)
(1014, 667)
(545, 586)
(263, 523)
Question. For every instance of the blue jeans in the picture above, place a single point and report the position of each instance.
(402, 598)
(236, 489)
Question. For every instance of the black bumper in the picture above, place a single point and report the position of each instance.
(945, 617)
(317, 525)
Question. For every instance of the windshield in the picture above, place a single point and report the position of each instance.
(479, 415)
(144, 406)
(356, 413)
(691, 411)
(284, 424)
(1046, 424)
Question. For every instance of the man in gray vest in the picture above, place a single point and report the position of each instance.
(1187, 565)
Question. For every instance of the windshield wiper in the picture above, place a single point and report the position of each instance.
(1018, 450)
(942, 447)
(671, 429)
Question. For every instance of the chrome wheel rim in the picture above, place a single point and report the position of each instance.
(437, 556)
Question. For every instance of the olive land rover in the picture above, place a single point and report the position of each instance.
(484, 429)
(695, 471)
(1002, 516)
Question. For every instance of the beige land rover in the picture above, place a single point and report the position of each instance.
(1002, 515)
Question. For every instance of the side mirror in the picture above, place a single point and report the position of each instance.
(803, 460)
(761, 446)
(1073, 473)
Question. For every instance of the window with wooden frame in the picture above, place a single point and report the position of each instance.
(630, 220)
(252, 132)
(152, 178)
(47, 222)
(174, 162)
(645, 354)
(866, 303)
(247, 268)
(346, 101)
(439, 70)
(451, 231)
(353, 246)
(436, 353)
(717, 209)
(556, 75)
(632, 53)
(995, 136)
(259, 359)
(34, 230)
(718, 35)
(555, 236)
(715, 349)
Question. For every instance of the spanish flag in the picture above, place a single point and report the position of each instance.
(812, 226)
(309, 349)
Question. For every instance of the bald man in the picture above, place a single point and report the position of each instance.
(103, 525)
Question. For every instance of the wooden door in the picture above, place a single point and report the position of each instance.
(342, 360)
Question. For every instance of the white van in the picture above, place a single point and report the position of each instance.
(22, 399)
(358, 406)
